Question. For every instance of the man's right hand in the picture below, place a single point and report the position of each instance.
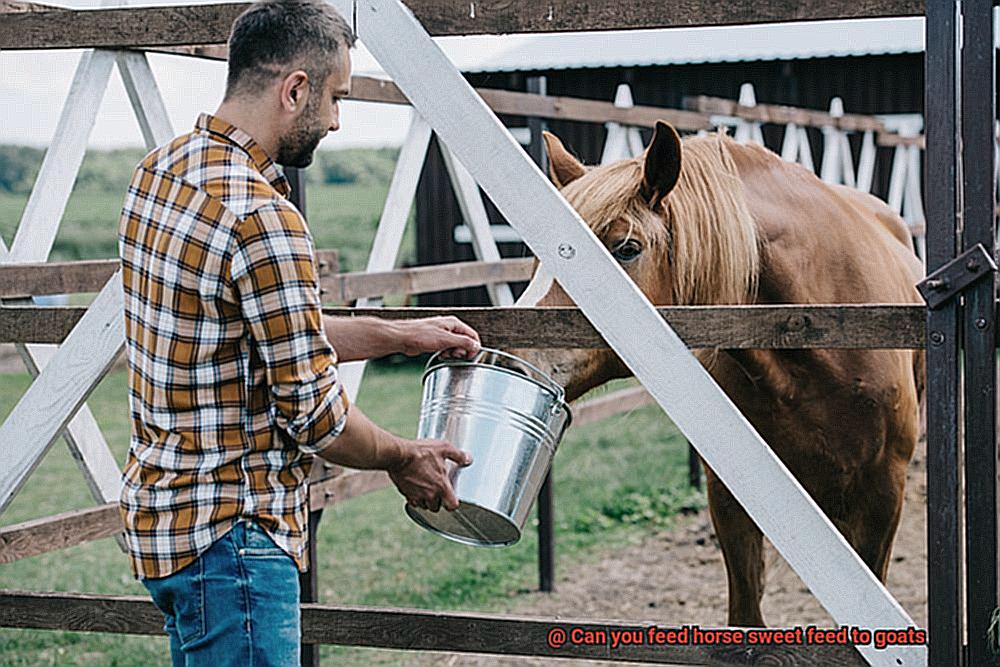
(422, 476)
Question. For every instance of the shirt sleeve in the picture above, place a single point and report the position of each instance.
(274, 277)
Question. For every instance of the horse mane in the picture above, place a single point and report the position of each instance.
(710, 236)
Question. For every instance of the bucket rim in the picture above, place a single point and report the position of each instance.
(553, 387)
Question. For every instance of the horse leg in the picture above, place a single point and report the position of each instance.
(743, 550)
(874, 524)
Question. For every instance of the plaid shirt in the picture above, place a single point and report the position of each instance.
(232, 382)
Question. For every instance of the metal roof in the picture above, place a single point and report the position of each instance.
(639, 48)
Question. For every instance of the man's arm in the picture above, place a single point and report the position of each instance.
(416, 467)
(274, 281)
(356, 338)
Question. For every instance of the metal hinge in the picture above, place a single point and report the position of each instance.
(948, 281)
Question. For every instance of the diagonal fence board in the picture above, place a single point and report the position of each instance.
(470, 202)
(392, 225)
(61, 388)
(144, 94)
(46, 205)
(83, 436)
(47, 201)
(726, 441)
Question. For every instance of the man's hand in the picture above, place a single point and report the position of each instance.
(422, 475)
(432, 334)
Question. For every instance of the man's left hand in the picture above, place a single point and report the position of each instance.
(433, 334)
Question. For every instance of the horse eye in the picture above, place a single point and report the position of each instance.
(626, 252)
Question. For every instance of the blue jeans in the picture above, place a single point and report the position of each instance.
(237, 604)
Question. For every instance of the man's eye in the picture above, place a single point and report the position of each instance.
(627, 251)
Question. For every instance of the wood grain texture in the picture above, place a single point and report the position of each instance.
(945, 580)
(41, 278)
(59, 531)
(345, 484)
(414, 630)
(728, 327)
(782, 115)
(346, 287)
(209, 24)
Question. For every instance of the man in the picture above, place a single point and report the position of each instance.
(232, 369)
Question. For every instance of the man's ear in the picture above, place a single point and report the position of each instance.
(294, 91)
(563, 167)
(662, 164)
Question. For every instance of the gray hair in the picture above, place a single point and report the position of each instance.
(272, 36)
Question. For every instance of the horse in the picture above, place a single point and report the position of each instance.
(709, 221)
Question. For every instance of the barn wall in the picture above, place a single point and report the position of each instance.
(872, 84)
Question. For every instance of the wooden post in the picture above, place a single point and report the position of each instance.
(943, 576)
(978, 104)
(546, 508)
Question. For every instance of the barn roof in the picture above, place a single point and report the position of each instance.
(786, 41)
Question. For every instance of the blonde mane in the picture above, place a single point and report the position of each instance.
(710, 237)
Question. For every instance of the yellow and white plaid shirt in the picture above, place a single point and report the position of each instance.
(232, 381)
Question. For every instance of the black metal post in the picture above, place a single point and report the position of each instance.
(546, 507)
(979, 190)
(309, 580)
(309, 587)
(297, 179)
(941, 131)
(694, 467)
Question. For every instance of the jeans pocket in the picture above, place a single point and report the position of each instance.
(181, 598)
(258, 544)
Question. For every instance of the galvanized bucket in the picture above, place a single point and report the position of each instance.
(510, 416)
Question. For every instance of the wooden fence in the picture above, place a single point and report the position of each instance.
(859, 326)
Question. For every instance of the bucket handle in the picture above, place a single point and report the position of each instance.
(556, 388)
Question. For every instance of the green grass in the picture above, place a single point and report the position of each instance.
(370, 553)
(341, 216)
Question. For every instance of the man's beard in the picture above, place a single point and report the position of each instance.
(296, 148)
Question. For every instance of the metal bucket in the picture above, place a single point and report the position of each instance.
(510, 418)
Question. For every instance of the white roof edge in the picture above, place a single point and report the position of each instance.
(676, 46)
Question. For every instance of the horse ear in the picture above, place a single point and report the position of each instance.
(563, 167)
(662, 165)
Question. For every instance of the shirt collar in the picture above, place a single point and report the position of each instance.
(222, 130)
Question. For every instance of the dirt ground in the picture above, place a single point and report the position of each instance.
(677, 577)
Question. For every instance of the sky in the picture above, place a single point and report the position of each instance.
(34, 84)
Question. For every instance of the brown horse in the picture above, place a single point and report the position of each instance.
(735, 224)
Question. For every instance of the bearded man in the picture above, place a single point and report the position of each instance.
(233, 384)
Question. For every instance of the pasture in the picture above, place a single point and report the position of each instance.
(343, 206)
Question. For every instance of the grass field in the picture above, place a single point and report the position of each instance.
(341, 216)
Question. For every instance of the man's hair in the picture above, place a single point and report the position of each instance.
(274, 36)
